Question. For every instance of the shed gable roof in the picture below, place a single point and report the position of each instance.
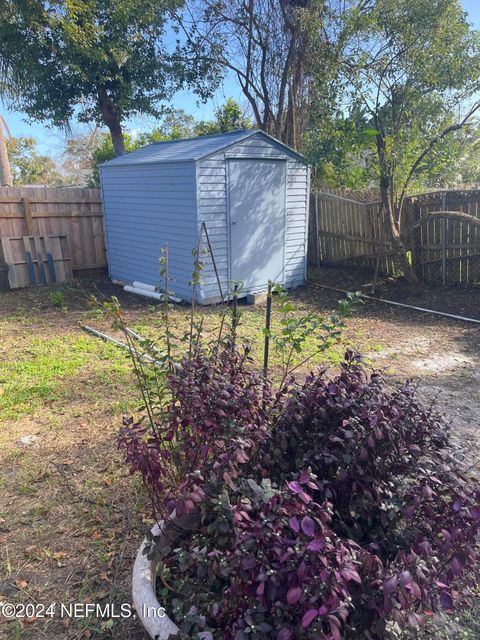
(190, 149)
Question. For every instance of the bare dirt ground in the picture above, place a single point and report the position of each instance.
(442, 355)
(71, 517)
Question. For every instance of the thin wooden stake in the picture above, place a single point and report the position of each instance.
(268, 318)
(204, 226)
(166, 312)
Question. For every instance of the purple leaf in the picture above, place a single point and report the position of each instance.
(316, 545)
(293, 595)
(294, 524)
(409, 511)
(295, 487)
(475, 513)
(308, 617)
(285, 633)
(308, 526)
(446, 600)
(405, 578)
(427, 491)
(457, 567)
(389, 585)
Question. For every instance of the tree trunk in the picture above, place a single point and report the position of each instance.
(116, 134)
(6, 179)
(112, 118)
(395, 238)
(386, 196)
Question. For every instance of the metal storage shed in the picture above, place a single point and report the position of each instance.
(250, 190)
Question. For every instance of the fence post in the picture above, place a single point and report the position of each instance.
(444, 243)
(27, 212)
(413, 215)
(317, 230)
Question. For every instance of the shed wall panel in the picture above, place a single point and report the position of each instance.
(147, 207)
(212, 207)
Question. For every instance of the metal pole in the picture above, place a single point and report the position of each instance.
(122, 345)
(401, 304)
(268, 319)
(234, 312)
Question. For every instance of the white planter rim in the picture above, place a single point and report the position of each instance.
(150, 611)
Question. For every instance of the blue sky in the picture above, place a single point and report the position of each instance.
(51, 140)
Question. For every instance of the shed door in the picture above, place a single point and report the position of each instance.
(257, 203)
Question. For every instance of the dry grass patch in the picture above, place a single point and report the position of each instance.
(71, 517)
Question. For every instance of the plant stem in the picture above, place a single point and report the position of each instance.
(166, 312)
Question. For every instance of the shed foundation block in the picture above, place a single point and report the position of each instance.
(257, 298)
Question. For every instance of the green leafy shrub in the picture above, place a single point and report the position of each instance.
(57, 298)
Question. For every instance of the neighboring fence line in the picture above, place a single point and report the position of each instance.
(348, 231)
(74, 212)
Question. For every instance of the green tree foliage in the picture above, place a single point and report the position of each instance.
(100, 60)
(341, 151)
(173, 126)
(29, 166)
(344, 155)
(104, 151)
(413, 66)
(228, 117)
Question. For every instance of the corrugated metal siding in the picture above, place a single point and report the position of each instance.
(146, 207)
(213, 202)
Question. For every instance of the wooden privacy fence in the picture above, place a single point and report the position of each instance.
(443, 248)
(47, 211)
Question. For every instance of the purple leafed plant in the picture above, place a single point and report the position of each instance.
(331, 509)
(349, 516)
(217, 414)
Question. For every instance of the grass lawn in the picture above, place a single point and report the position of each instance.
(71, 516)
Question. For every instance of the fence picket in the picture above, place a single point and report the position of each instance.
(351, 232)
(48, 211)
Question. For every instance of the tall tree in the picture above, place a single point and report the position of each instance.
(31, 167)
(100, 60)
(274, 48)
(6, 179)
(415, 67)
